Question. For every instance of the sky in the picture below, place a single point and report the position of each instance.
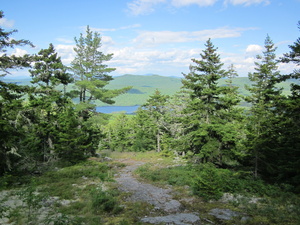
(156, 36)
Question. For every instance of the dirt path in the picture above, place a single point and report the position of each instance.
(160, 198)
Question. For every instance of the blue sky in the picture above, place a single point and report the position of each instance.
(157, 36)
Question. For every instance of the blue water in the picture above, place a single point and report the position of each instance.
(113, 109)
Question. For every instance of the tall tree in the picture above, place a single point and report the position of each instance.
(10, 100)
(285, 154)
(263, 98)
(156, 108)
(8, 62)
(49, 69)
(208, 120)
(44, 102)
(90, 73)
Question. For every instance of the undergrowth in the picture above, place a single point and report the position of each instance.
(274, 204)
(69, 195)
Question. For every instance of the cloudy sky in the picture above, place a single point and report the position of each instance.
(157, 36)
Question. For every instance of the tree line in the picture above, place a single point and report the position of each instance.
(205, 121)
(41, 124)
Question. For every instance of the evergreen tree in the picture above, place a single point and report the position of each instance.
(120, 134)
(175, 138)
(90, 73)
(145, 132)
(209, 125)
(48, 69)
(8, 62)
(285, 155)
(156, 108)
(72, 143)
(11, 132)
(44, 102)
(264, 97)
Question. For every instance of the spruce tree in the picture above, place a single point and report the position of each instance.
(210, 134)
(286, 156)
(264, 97)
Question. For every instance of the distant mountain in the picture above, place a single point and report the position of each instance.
(145, 85)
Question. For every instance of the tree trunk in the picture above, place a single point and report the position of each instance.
(158, 141)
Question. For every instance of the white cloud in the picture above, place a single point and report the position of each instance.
(141, 61)
(254, 49)
(142, 7)
(19, 52)
(247, 2)
(286, 68)
(150, 38)
(180, 3)
(107, 40)
(6, 23)
(66, 52)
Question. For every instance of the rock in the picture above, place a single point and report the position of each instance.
(223, 214)
(97, 155)
(227, 197)
(176, 219)
(107, 158)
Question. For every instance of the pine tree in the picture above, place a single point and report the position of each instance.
(90, 73)
(208, 120)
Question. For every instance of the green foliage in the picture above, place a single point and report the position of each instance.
(62, 180)
(49, 69)
(104, 202)
(212, 110)
(208, 183)
(273, 134)
(89, 169)
(91, 75)
(178, 175)
(62, 219)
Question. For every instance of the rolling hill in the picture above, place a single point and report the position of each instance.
(144, 86)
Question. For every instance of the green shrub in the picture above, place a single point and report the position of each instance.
(208, 184)
(104, 202)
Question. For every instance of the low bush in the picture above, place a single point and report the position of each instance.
(104, 202)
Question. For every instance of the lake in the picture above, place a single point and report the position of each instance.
(113, 109)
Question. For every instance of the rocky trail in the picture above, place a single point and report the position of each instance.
(160, 198)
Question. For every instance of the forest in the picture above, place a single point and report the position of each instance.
(228, 147)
